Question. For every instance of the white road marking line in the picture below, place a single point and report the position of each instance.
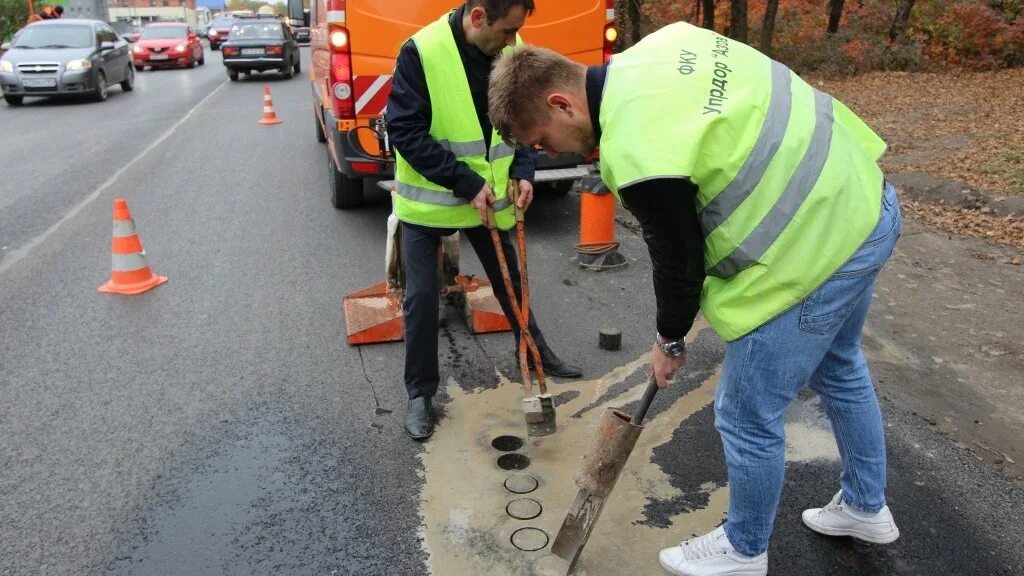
(17, 255)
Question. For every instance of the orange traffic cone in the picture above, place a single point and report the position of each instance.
(269, 117)
(130, 274)
(598, 249)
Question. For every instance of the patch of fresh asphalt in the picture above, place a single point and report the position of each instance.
(220, 425)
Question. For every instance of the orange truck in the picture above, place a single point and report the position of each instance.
(354, 44)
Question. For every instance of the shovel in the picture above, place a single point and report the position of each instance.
(617, 433)
(538, 411)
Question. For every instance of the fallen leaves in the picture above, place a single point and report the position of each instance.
(967, 126)
(1002, 229)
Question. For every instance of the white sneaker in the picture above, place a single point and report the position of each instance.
(836, 519)
(711, 555)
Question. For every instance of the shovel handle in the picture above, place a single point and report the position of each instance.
(645, 402)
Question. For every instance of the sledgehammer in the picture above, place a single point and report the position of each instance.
(617, 433)
(538, 411)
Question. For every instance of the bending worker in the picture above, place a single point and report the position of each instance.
(762, 205)
(451, 167)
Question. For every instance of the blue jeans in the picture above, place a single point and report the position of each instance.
(815, 343)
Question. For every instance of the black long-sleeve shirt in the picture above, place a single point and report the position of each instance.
(667, 212)
(409, 116)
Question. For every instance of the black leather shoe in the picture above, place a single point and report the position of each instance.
(419, 422)
(554, 366)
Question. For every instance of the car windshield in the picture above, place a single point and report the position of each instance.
(62, 36)
(163, 32)
(256, 30)
(221, 23)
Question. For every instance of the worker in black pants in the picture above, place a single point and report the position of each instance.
(420, 307)
(451, 169)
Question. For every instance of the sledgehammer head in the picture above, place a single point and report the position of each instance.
(532, 410)
(540, 415)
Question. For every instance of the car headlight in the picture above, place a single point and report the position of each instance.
(137, 49)
(180, 47)
(211, 33)
(6, 66)
(81, 64)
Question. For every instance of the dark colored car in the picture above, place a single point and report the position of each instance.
(167, 44)
(301, 34)
(258, 45)
(66, 56)
(218, 31)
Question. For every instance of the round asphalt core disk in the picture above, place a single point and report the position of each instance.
(524, 509)
(513, 462)
(507, 443)
(521, 483)
(529, 539)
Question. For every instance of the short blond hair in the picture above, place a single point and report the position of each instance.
(521, 81)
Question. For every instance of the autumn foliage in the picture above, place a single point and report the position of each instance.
(941, 33)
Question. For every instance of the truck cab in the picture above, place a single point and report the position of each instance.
(354, 44)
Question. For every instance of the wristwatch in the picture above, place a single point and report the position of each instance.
(671, 348)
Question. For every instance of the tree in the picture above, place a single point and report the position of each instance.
(835, 13)
(709, 14)
(899, 23)
(13, 14)
(633, 10)
(768, 28)
(738, 20)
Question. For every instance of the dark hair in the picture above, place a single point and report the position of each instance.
(59, 10)
(498, 9)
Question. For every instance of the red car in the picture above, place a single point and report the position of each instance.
(218, 31)
(168, 44)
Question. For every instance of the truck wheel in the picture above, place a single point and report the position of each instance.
(345, 192)
(320, 136)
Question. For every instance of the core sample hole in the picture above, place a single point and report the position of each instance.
(521, 483)
(529, 539)
(507, 443)
(524, 509)
(513, 462)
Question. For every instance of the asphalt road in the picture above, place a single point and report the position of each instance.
(220, 424)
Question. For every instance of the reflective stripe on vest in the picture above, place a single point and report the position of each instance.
(501, 150)
(474, 148)
(768, 141)
(428, 196)
(797, 190)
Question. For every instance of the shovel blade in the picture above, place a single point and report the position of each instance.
(576, 528)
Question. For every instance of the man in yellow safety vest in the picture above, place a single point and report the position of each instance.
(764, 207)
(451, 167)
